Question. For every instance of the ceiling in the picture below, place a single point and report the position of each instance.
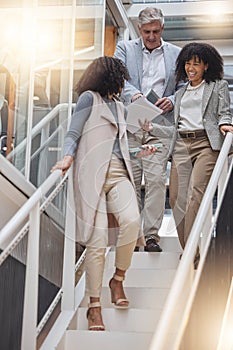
(185, 21)
(191, 20)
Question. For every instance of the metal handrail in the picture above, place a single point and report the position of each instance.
(16, 229)
(9, 237)
(174, 317)
(8, 230)
(39, 126)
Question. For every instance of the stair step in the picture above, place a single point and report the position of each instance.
(167, 243)
(86, 340)
(144, 260)
(170, 244)
(143, 277)
(139, 298)
(131, 320)
(147, 285)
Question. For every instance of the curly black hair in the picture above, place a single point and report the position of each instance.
(105, 75)
(203, 52)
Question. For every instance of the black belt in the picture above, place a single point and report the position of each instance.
(192, 134)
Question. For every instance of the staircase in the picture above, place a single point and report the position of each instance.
(148, 281)
(146, 285)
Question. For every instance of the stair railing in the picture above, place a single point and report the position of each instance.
(173, 320)
(39, 127)
(15, 230)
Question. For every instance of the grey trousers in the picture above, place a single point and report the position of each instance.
(154, 168)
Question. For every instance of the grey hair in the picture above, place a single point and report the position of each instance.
(149, 15)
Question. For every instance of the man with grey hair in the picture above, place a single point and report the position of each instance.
(151, 64)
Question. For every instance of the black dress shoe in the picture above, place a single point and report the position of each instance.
(152, 246)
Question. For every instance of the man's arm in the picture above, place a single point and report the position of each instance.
(123, 52)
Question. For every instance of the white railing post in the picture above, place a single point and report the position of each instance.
(68, 281)
(29, 334)
(222, 179)
(206, 229)
(44, 134)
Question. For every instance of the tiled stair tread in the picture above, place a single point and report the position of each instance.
(144, 260)
(144, 277)
(131, 320)
(139, 298)
(86, 340)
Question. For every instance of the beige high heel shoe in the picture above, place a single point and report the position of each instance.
(92, 326)
(120, 303)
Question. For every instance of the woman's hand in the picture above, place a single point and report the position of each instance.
(146, 125)
(146, 150)
(226, 128)
(63, 164)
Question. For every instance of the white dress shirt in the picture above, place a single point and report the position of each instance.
(191, 108)
(153, 75)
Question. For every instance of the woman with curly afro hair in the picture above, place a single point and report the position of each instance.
(202, 118)
(96, 143)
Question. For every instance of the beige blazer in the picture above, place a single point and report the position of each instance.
(92, 159)
(215, 110)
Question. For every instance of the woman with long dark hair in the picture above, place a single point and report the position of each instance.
(103, 182)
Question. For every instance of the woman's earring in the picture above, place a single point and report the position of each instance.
(117, 96)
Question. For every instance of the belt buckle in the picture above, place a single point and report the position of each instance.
(191, 134)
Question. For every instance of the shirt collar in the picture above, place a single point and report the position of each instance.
(190, 87)
(157, 48)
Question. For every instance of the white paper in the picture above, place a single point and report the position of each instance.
(140, 109)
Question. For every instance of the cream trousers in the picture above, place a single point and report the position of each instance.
(120, 196)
